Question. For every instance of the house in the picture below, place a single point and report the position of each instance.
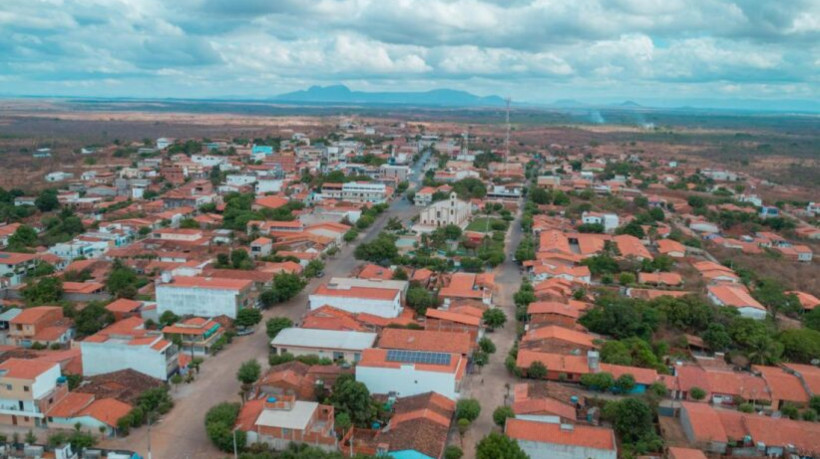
(5, 324)
(426, 340)
(452, 211)
(89, 412)
(630, 246)
(685, 453)
(16, 266)
(418, 429)
(738, 297)
(703, 427)
(377, 297)
(424, 197)
(123, 308)
(40, 324)
(28, 389)
(542, 440)
(331, 344)
(441, 320)
(128, 344)
(559, 366)
(197, 335)
(784, 387)
(534, 402)
(261, 247)
(468, 286)
(280, 421)
(671, 248)
(768, 212)
(6, 231)
(269, 202)
(607, 220)
(204, 296)
(808, 375)
(546, 271)
(557, 339)
(405, 373)
(298, 379)
(660, 278)
(542, 313)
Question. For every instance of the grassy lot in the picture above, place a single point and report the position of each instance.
(483, 224)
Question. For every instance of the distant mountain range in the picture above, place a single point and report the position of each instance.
(343, 95)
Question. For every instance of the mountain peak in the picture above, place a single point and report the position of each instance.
(342, 94)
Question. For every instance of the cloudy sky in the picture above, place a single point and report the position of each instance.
(535, 51)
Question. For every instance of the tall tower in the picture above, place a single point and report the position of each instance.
(507, 139)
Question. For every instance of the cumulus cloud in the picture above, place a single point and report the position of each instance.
(532, 49)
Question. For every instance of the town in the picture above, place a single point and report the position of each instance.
(386, 287)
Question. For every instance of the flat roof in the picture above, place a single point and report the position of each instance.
(295, 418)
(331, 339)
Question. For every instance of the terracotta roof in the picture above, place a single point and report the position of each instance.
(248, 414)
(358, 292)
(453, 317)
(107, 411)
(371, 271)
(784, 386)
(12, 258)
(666, 246)
(271, 202)
(631, 246)
(685, 453)
(553, 307)
(378, 358)
(577, 435)
(31, 316)
(25, 368)
(705, 422)
(70, 405)
(123, 305)
(645, 376)
(560, 333)
(544, 405)
(576, 364)
(807, 300)
(425, 340)
(82, 287)
(808, 373)
(734, 295)
(660, 278)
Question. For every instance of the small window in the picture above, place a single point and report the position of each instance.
(25, 388)
(9, 387)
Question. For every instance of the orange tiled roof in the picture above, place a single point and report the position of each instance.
(31, 316)
(784, 386)
(358, 292)
(70, 405)
(25, 368)
(210, 283)
(425, 340)
(543, 432)
(107, 410)
(453, 317)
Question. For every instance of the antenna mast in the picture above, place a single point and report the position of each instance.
(507, 139)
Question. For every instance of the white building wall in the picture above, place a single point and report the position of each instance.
(46, 382)
(406, 381)
(538, 450)
(548, 419)
(202, 302)
(99, 358)
(381, 308)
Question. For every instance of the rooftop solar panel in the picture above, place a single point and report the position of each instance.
(433, 358)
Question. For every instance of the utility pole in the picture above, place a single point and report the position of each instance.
(235, 453)
(149, 436)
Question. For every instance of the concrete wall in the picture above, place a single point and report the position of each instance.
(538, 450)
(99, 358)
(406, 381)
(202, 302)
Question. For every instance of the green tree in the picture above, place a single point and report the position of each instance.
(276, 324)
(501, 414)
(47, 290)
(453, 452)
(122, 281)
(697, 393)
(249, 372)
(716, 337)
(285, 287)
(537, 370)
(419, 298)
(632, 228)
(42, 269)
(92, 318)
(219, 424)
(381, 249)
(353, 398)
(499, 446)
(47, 200)
(626, 279)
(400, 274)
(350, 235)
(812, 319)
(247, 317)
(23, 237)
(625, 383)
(800, 344)
(468, 408)
(601, 381)
(486, 345)
(313, 268)
(494, 318)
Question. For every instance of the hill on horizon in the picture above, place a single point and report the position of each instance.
(343, 94)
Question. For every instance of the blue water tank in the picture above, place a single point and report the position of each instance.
(375, 425)
(574, 399)
(271, 399)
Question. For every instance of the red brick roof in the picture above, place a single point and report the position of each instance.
(216, 283)
(425, 340)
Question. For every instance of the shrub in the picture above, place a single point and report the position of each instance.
(501, 414)
(468, 409)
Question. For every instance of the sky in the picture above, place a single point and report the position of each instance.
(534, 51)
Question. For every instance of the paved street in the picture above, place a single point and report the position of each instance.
(181, 433)
(489, 387)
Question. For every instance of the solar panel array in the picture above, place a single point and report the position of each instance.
(434, 358)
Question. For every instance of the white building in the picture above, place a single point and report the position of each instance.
(58, 176)
(332, 344)
(164, 142)
(450, 212)
(401, 173)
(375, 193)
(16, 266)
(268, 186)
(127, 344)
(75, 249)
(26, 385)
(209, 160)
(203, 296)
(608, 221)
(738, 297)
(378, 297)
(406, 373)
(240, 179)
(541, 440)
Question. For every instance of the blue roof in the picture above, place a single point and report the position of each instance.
(266, 149)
